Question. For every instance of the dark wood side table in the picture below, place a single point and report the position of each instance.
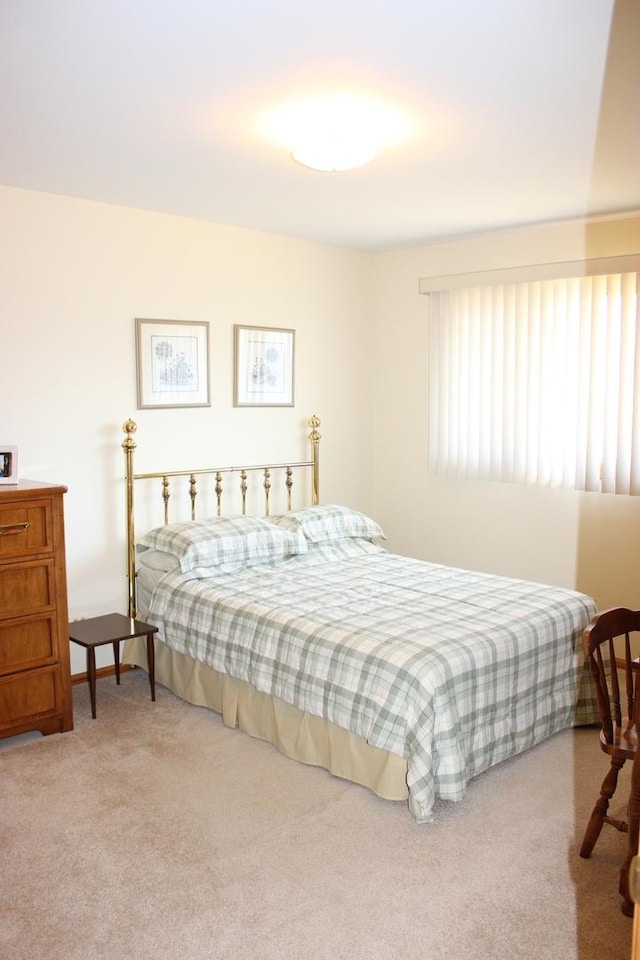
(112, 628)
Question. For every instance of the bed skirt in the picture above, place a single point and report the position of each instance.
(299, 735)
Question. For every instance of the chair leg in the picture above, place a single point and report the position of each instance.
(599, 813)
(628, 905)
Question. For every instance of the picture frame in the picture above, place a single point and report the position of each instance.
(8, 464)
(264, 370)
(172, 363)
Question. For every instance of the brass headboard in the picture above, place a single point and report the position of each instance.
(217, 473)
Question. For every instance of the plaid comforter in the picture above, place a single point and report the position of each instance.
(453, 670)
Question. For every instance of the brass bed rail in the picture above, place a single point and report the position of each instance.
(217, 473)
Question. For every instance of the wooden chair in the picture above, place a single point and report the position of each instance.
(607, 642)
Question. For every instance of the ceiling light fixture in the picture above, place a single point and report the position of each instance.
(336, 132)
(334, 153)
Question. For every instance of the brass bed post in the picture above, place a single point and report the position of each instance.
(266, 484)
(315, 437)
(243, 490)
(289, 485)
(129, 445)
(193, 493)
(166, 493)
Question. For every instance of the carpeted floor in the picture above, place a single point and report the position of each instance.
(155, 832)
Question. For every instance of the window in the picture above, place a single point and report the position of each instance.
(537, 382)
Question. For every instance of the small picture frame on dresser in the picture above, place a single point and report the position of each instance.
(8, 464)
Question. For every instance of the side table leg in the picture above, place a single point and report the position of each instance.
(91, 674)
(116, 659)
(151, 658)
(628, 905)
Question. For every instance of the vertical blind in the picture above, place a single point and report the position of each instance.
(537, 382)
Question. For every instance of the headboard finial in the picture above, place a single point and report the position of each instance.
(314, 423)
(129, 427)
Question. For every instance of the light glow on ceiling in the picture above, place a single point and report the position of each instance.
(335, 132)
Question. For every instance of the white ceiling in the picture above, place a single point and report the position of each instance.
(525, 110)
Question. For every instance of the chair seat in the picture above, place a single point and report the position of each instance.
(625, 742)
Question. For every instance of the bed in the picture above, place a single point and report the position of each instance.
(298, 625)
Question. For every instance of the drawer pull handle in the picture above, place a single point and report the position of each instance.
(8, 528)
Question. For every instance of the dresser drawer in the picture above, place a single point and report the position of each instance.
(25, 529)
(25, 697)
(27, 588)
(26, 643)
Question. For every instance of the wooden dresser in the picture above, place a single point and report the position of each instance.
(35, 678)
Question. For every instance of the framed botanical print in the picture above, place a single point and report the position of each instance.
(172, 363)
(264, 367)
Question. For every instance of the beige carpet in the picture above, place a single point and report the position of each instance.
(155, 832)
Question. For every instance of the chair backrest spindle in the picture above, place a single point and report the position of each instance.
(615, 682)
(630, 681)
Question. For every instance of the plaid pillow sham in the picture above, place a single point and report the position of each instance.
(327, 522)
(218, 541)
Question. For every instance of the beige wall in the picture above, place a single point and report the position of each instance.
(586, 541)
(75, 274)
